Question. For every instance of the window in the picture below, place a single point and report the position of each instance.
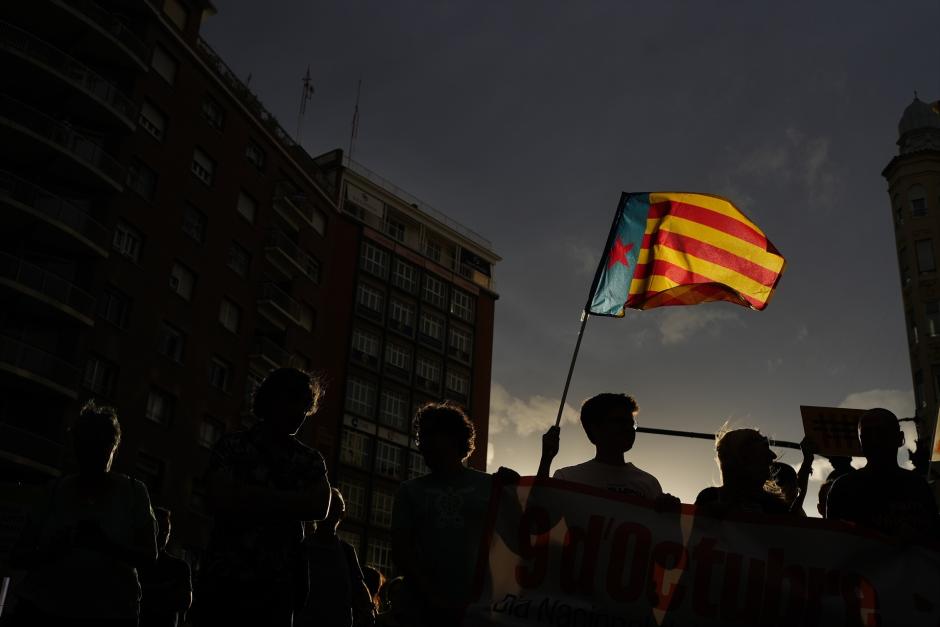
(229, 315)
(460, 345)
(433, 250)
(416, 465)
(432, 328)
(925, 259)
(210, 431)
(164, 64)
(912, 325)
(202, 167)
(371, 299)
(462, 305)
(255, 154)
(394, 409)
(405, 276)
(388, 459)
(918, 199)
(252, 381)
(360, 397)
(100, 376)
(401, 317)
(365, 347)
(150, 470)
(239, 259)
(197, 496)
(115, 307)
(307, 316)
(380, 555)
(152, 120)
(312, 268)
(395, 229)
(160, 407)
(382, 502)
(182, 280)
(213, 112)
(247, 207)
(351, 537)
(318, 221)
(219, 374)
(932, 312)
(354, 493)
(170, 342)
(354, 449)
(905, 267)
(434, 291)
(374, 260)
(428, 372)
(458, 382)
(127, 241)
(142, 179)
(398, 356)
(194, 223)
(177, 13)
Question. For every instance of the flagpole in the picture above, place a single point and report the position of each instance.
(708, 436)
(585, 313)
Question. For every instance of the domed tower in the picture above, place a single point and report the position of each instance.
(914, 188)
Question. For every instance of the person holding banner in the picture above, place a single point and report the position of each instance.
(883, 496)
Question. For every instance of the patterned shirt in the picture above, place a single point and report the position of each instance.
(252, 549)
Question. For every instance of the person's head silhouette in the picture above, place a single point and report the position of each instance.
(286, 398)
(96, 435)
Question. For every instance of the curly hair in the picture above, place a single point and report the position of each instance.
(96, 425)
(597, 408)
(285, 383)
(447, 418)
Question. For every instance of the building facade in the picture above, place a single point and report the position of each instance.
(164, 244)
(914, 188)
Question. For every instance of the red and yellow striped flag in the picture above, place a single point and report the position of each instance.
(676, 248)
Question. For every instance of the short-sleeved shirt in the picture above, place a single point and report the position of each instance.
(718, 501)
(897, 502)
(84, 582)
(446, 520)
(625, 479)
(162, 583)
(252, 549)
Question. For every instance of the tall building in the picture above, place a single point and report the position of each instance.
(422, 330)
(914, 188)
(164, 244)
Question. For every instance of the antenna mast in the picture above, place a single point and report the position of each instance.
(305, 95)
(354, 132)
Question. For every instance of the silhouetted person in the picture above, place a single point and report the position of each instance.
(840, 466)
(84, 541)
(166, 585)
(262, 484)
(744, 458)
(374, 580)
(609, 422)
(792, 484)
(394, 604)
(438, 519)
(338, 594)
(883, 496)
(822, 497)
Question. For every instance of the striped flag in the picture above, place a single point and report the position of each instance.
(673, 248)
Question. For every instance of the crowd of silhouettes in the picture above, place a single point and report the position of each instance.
(94, 549)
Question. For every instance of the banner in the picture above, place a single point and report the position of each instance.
(566, 555)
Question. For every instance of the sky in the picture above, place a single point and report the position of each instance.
(525, 120)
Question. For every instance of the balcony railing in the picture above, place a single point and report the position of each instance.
(72, 70)
(53, 207)
(15, 270)
(267, 349)
(111, 25)
(62, 375)
(271, 293)
(75, 144)
(278, 240)
(295, 200)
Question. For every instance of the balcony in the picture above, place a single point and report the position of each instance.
(30, 450)
(266, 355)
(277, 306)
(46, 287)
(71, 225)
(110, 34)
(296, 207)
(288, 258)
(32, 135)
(102, 101)
(38, 366)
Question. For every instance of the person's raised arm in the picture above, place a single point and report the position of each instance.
(806, 469)
(551, 440)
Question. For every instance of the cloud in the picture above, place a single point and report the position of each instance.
(802, 333)
(680, 323)
(525, 416)
(583, 256)
(901, 402)
(490, 453)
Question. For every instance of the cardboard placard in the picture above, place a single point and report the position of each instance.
(833, 429)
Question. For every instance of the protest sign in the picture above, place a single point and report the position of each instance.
(834, 430)
(566, 555)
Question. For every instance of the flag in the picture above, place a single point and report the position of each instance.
(672, 248)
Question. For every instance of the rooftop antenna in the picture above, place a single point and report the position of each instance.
(354, 132)
(305, 95)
